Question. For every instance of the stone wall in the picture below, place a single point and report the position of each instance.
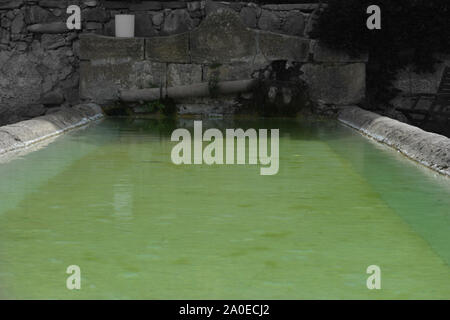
(39, 57)
(222, 46)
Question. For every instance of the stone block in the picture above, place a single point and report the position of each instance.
(102, 83)
(148, 74)
(53, 27)
(95, 47)
(144, 26)
(177, 21)
(342, 84)
(294, 24)
(183, 74)
(324, 54)
(229, 72)
(168, 49)
(249, 17)
(283, 47)
(269, 21)
(12, 4)
(222, 37)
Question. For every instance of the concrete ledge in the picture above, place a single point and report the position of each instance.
(25, 133)
(429, 149)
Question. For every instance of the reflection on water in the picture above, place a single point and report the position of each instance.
(109, 199)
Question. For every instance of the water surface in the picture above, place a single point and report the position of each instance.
(108, 199)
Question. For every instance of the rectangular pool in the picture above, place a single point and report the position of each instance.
(108, 199)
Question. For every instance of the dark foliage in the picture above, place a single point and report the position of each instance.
(411, 32)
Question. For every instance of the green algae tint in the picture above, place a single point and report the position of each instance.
(108, 199)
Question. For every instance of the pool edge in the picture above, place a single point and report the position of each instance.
(430, 149)
(23, 134)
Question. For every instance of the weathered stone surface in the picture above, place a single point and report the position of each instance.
(52, 98)
(283, 47)
(101, 83)
(119, 5)
(325, 54)
(294, 24)
(168, 49)
(95, 47)
(144, 26)
(17, 24)
(62, 4)
(174, 5)
(306, 7)
(146, 6)
(36, 14)
(11, 4)
(430, 149)
(248, 16)
(194, 5)
(158, 18)
(96, 14)
(26, 133)
(93, 26)
(147, 74)
(177, 21)
(52, 41)
(410, 82)
(183, 74)
(222, 37)
(4, 36)
(336, 84)
(228, 72)
(269, 21)
(54, 27)
(20, 84)
(207, 107)
(214, 6)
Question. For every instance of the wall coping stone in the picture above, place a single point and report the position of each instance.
(429, 149)
(26, 133)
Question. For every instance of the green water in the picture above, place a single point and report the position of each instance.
(108, 199)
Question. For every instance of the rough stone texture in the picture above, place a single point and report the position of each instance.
(40, 57)
(336, 84)
(26, 78)
(249, 17)
(26, 133)
(294, 24)
(208, 107)
(228, 72)
(183, 74)
(144, 25)
(282, 47)
(410, 82)
(168, 49)
(148, 74)
(101, 83)
(95, 47)
(269, 21)
(177, 21)
(222, 48)
(325, 54)
(222, 37)
(429, 149)
(53, 27)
